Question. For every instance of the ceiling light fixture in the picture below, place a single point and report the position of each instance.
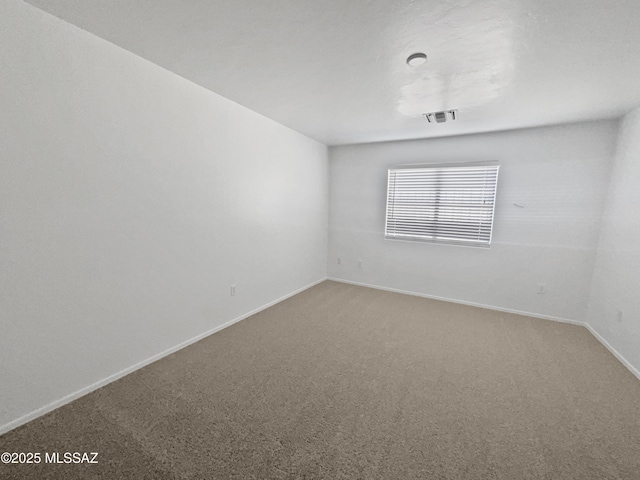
(416, 59)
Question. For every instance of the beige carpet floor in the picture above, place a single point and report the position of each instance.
(345, 382)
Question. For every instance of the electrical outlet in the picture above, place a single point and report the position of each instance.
(339, 261)
(542, 288)
(360, 264)
(619, 315)
(232, 290)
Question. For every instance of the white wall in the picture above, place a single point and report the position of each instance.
(130, 200)
(559, 174)
(616, 279)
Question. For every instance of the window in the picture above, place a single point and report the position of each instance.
(451, 203)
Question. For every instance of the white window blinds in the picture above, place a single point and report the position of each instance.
(442, 203)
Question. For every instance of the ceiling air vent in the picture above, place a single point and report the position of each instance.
(441, 117)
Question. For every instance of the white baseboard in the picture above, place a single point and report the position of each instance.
(462, 302)
(615, 353)
(112, 378)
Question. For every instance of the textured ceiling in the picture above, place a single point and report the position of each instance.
(335, 69)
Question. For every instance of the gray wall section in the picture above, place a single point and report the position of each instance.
(130, 200)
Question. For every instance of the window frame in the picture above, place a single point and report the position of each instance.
(483, 241)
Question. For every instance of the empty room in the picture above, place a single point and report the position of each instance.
(341, 239)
